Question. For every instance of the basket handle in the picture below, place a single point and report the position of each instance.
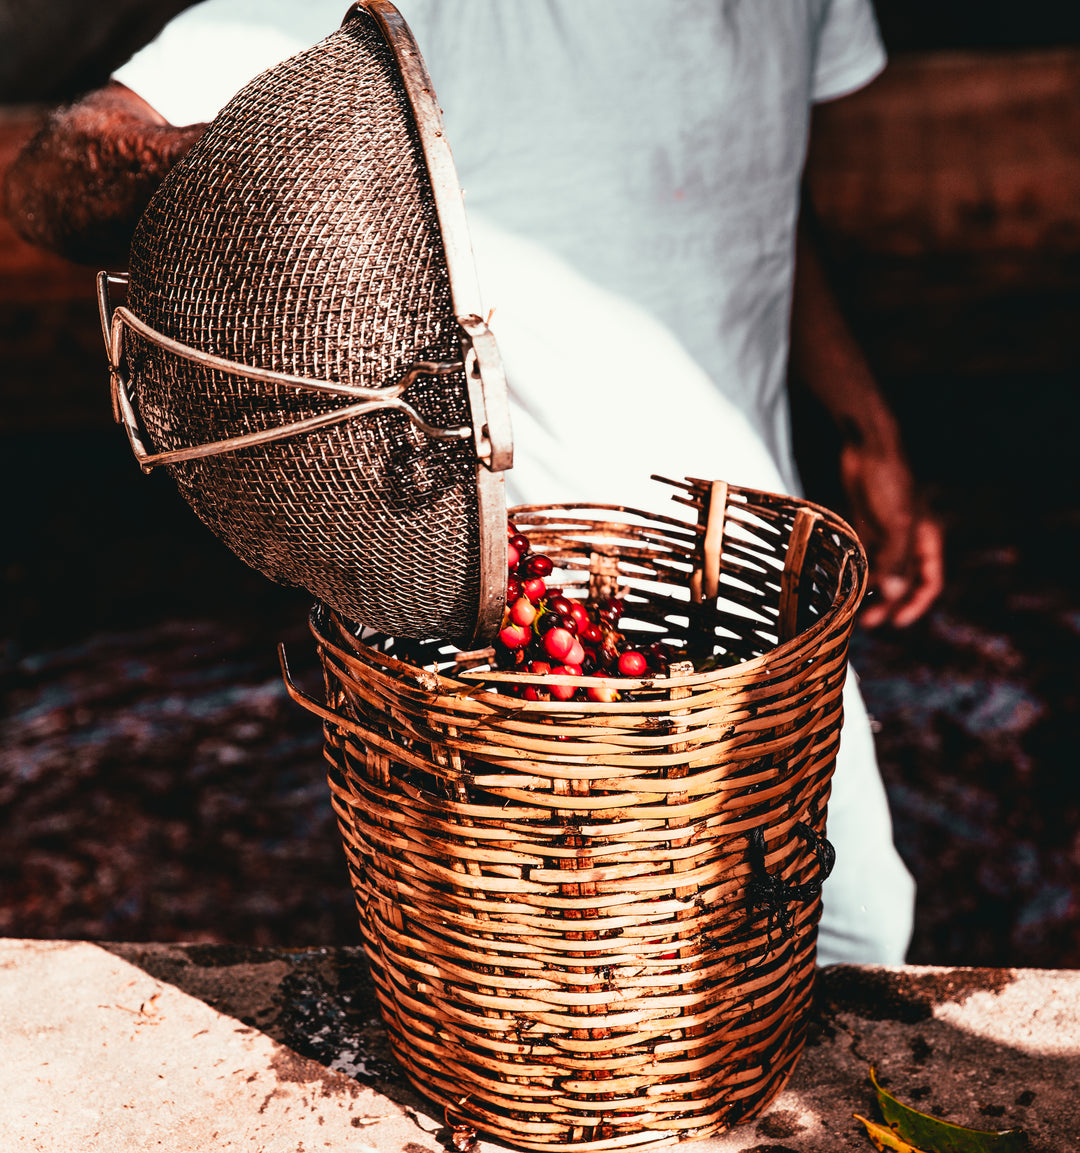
(298, 694)
(769, 891)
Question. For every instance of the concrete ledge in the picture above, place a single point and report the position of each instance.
(124, 1048)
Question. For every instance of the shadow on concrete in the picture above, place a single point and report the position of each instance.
(991, 1049)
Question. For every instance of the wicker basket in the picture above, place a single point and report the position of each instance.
(594, 925)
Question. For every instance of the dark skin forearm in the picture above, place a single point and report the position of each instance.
(828, 359)
(903, 542)
(79, 187)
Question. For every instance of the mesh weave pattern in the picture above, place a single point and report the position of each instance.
(300, 235)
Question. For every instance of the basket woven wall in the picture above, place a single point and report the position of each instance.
(594, 924)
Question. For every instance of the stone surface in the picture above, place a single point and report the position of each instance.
(125, 1048)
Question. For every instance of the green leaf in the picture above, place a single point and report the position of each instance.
(885, 1139)
(934, 1136)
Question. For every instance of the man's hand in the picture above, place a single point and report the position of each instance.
(904, 543)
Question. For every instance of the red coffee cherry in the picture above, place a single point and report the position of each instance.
(632, 663)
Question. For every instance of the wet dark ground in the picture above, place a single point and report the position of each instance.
(156, 783)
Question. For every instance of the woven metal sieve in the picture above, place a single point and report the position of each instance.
(301, 346)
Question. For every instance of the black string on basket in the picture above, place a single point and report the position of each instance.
(769, 891)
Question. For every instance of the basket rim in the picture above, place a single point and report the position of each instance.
(469, 680)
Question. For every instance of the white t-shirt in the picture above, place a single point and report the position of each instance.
(633, 162)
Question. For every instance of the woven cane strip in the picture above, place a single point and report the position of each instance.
(558, 899)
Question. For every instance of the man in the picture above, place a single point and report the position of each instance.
(633, 169)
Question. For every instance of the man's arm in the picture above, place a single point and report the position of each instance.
(80, 186)
(903, 541)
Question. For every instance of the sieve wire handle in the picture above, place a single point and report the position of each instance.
(114, 321)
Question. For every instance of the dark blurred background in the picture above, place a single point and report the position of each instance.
(157, 784)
